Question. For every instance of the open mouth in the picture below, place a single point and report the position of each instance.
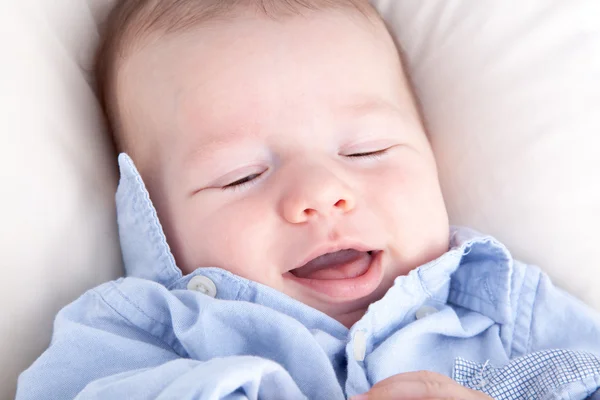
(341, 276)
(343, 264)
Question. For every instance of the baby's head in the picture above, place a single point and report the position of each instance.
(271, 132)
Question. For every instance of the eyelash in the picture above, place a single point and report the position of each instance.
(246, 181)
(371, 154)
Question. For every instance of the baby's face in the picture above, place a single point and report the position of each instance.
(265, 144)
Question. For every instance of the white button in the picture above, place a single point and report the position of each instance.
(425, 311)
(360, 345)
(202, 284)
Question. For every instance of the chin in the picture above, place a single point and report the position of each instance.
(348, 320)
(350, 313)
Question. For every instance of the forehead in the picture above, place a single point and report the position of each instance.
(255, 72)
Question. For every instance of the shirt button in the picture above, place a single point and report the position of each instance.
(360, 345)
(202, 284)
(425, 311)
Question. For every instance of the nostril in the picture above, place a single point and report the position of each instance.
(341, 204)
(309, 212)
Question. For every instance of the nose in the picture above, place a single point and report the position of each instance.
(316, 192)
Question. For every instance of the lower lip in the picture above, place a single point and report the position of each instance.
(346, 289)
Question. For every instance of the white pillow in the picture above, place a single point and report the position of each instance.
(58, 175)
(510, 90)
(511, 94)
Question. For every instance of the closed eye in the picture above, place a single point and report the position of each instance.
(242, 182)
(369, 154)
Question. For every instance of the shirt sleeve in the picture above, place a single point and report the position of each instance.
(551, 318)
(96, 353)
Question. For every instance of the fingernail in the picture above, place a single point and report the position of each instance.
(360, 397)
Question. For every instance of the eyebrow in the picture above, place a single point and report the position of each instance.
(369, 105)
(359, 108)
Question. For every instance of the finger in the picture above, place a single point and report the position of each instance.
(420, 385)
(417, 376)
(376, 396)
(424, 389)
(434, 379)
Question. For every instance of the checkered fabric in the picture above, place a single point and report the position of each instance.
(528, 377)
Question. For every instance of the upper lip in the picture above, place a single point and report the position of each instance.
(332, 248)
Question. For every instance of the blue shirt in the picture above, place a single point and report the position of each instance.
(492, 323)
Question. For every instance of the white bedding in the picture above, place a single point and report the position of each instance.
(510, 91)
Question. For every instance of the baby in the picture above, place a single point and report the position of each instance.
(309, 252)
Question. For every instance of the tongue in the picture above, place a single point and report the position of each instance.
(345, 264)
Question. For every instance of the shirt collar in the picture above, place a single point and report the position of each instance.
(475, 273)
(483, 280)
(146, 253)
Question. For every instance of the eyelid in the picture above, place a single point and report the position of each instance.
(239, 186)
(368, 148)
(237, 175)
(224, 180)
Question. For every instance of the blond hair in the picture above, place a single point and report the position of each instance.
(131, 22)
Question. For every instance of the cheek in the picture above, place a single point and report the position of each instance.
(388, 196)
(231, 236)
(408, 201)
(397, 185)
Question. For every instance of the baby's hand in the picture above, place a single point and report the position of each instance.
(420, 385)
